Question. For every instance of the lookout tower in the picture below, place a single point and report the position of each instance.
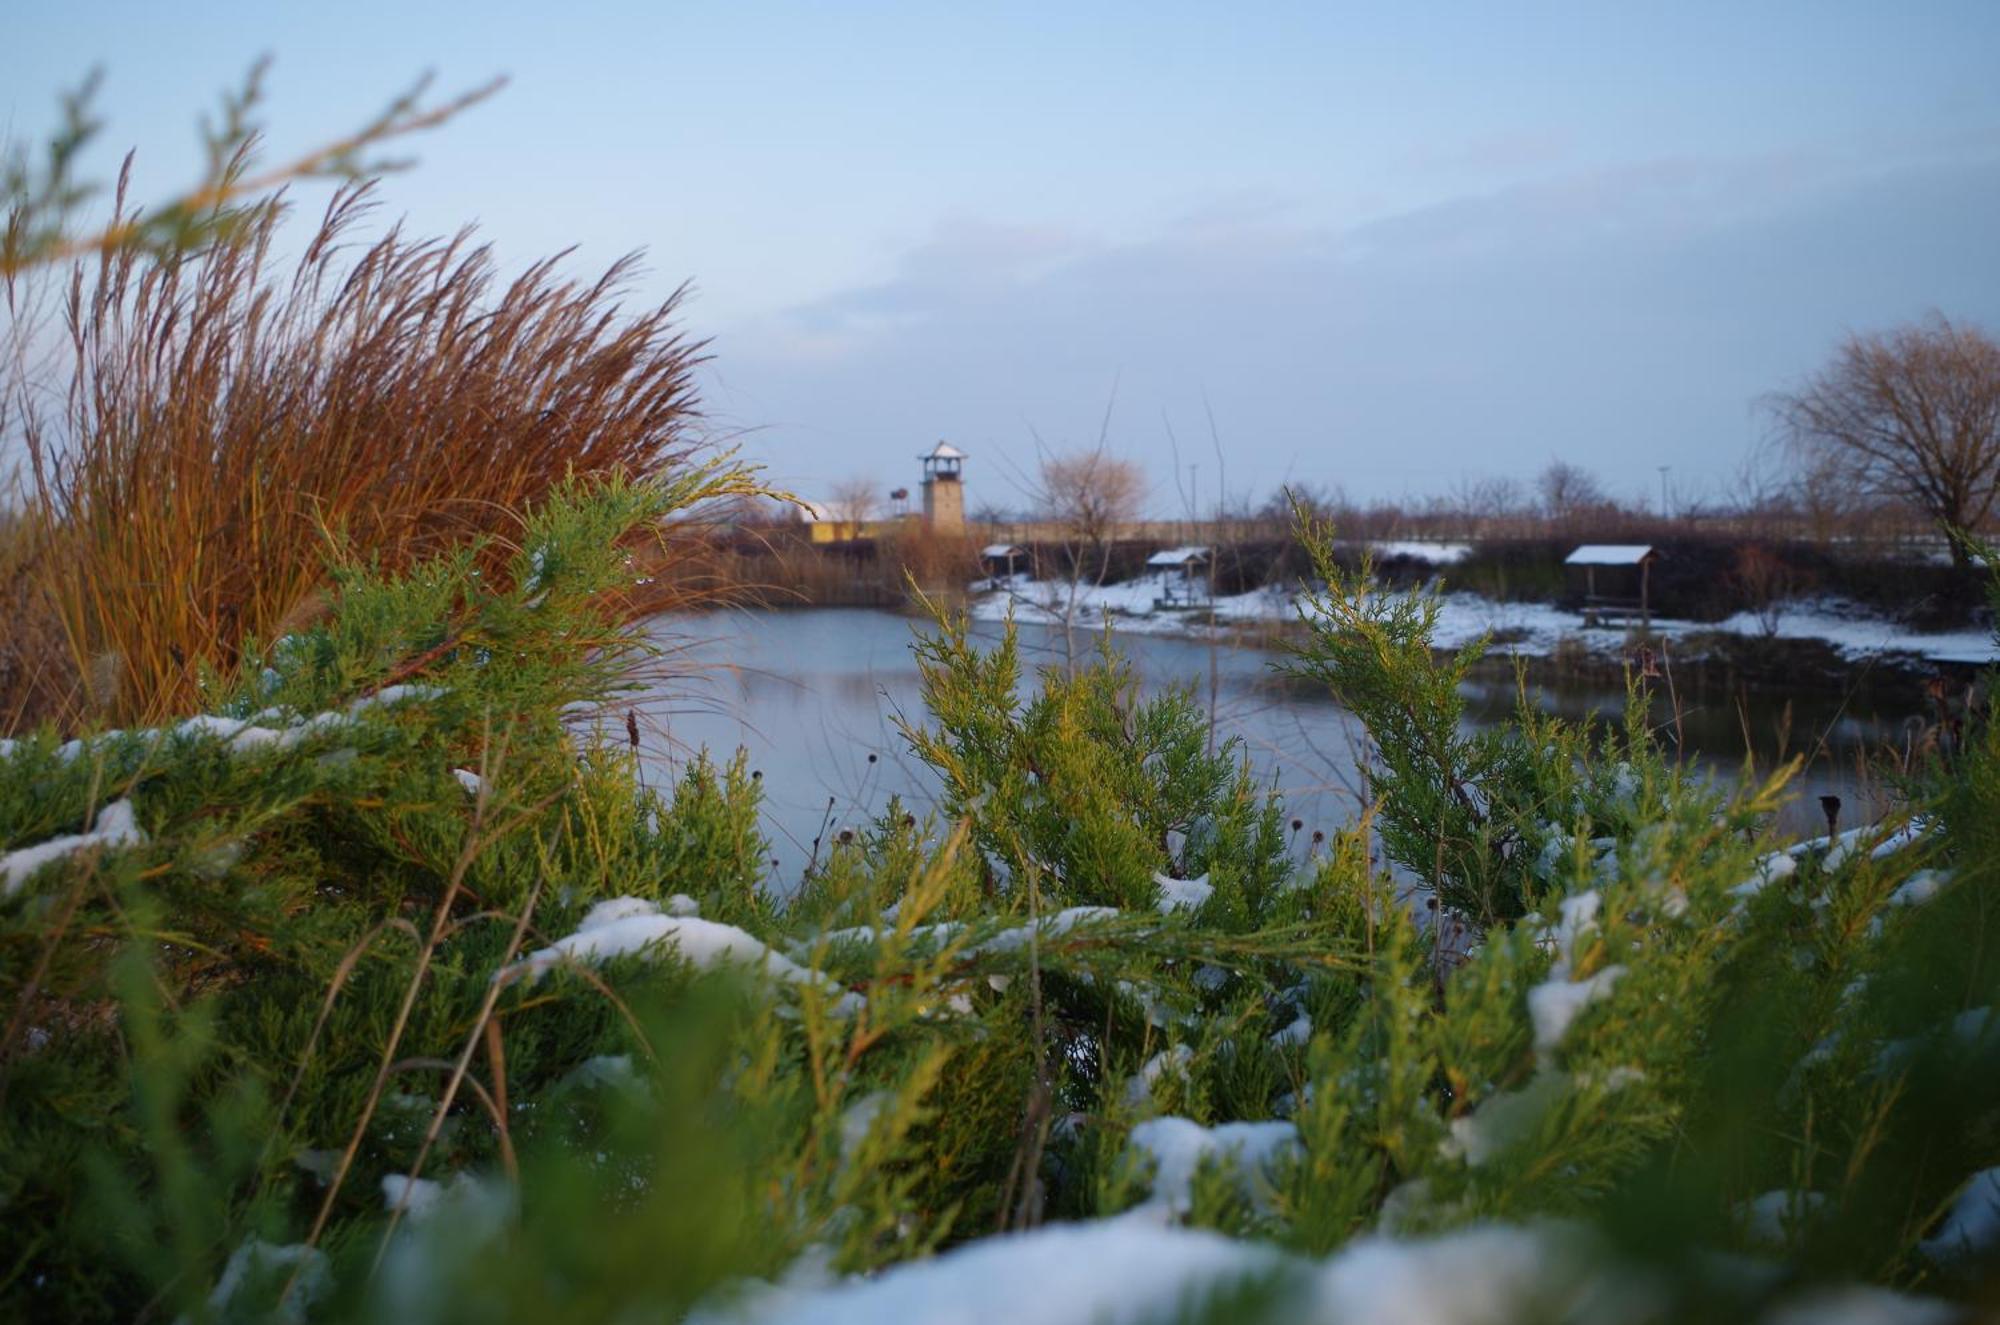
(944, 490)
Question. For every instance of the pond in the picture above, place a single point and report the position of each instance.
(812, 696)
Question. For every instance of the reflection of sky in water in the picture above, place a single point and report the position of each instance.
(812, 694)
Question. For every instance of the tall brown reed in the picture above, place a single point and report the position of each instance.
(220, 420)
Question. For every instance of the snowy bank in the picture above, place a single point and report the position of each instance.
(1528, 629)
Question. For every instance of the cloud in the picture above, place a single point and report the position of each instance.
(1622, 318)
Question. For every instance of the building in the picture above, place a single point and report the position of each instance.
(1188, 588)
(1616, 581)
(944, 489)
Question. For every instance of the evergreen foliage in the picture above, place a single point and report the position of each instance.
(405, 998)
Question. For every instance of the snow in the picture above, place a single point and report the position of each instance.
(1298, 1032)
(1861, 1305)
(1479, 1276)
(1183, 894)
(1178, 1146)
(1055, 926)
(1609, 554)
(1108, 1273)
(241, 734)
(1969, 1028)
(1920, 887)
(269, 1263)
(1139, 1090)
(116, 827)
(415, 1197)
(1554, 1004)
(471, 781)
(859, 1117)
(1777, 1217)
(1434, 554)
(1972, 1228)
(1503, 1119)
(1777, 865)
(1576, 917)
(1175, 557)
(1000, 550)
(1125, 1271)
(613, 1070)
(625, 926)
(1529, 629)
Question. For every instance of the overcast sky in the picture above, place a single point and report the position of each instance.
(1392, 247)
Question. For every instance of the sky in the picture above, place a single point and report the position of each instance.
(1391, 248)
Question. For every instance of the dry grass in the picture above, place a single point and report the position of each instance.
(775, 565)
(217, 424)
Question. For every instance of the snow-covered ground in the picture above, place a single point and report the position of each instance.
(1530, 629)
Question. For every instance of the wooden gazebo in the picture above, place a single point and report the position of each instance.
(1616, 581)
(1190, 588)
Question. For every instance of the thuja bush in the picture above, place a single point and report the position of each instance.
(383, 991)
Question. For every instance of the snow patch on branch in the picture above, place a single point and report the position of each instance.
(1554, 1004)
(1174, 1061)
(627, 926)
(1183, 894)
(1178, 1147)
(1973, 1226)
(116, 827)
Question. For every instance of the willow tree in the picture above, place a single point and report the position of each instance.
(1911, 415)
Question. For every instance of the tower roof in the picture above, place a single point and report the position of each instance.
(943, 451)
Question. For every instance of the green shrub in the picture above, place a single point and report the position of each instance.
(325, 962)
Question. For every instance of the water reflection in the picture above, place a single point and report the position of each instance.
(813, 696)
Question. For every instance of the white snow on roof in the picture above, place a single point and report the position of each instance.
(943, 451)
(1000, 550)
(1177, 556)
(1609, 554)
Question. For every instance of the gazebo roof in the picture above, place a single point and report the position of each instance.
(1610, 554)
(1178, 556)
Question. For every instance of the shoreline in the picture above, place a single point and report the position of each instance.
(1819, 646)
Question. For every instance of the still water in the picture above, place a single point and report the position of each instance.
(813, 697)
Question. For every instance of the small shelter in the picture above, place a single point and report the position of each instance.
(1190, 587)
(999, 559)
(1615, 579)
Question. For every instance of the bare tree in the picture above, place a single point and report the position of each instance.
(1085, 495)
(1913, 414)
(1090, 493)
(852, 504)
(1568, 491)
(1328, 505)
